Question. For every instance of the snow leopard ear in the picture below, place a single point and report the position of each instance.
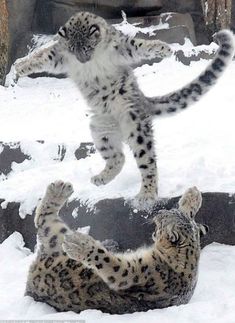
(62, 32)
(204, 229)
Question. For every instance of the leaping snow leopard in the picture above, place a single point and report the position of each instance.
(74, 272)
(99, 59)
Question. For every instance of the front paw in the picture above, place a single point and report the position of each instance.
(22, 67)
(59, 191)
(166, 50)
(191, 201)
(77, 245)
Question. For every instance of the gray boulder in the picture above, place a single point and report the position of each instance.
(168, 34)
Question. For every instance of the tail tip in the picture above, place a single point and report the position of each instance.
(224, 36)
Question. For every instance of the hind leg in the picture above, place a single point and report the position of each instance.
(51, 228)
(139, 135)
(107, 139)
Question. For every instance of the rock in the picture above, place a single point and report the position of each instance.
(178, 19)
(10, 153)
(50, 15)
(84, 150)
(172, 35)
(195, 9)
(186, 60)
(116, 221)
(171, 20)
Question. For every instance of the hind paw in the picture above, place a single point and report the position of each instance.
(22, 66)
(101, 179)
(144, 202)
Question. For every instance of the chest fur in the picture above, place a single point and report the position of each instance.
(107, 88)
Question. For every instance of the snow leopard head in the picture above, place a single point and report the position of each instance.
(177, 230)
(83, 34)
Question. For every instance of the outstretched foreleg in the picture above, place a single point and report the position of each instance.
(134, 50)
(117, 272)
(45, 59)
(50, 226)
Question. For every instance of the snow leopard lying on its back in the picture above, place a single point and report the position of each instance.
(72, 271)
(98, 58)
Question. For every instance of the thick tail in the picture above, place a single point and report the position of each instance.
(177, 101)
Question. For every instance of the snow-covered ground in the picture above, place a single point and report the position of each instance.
(213, 300)
(196, 147)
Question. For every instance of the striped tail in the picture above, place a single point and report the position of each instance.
(179, 100)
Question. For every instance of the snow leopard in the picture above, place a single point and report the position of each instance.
(73, 272)
(99, 59)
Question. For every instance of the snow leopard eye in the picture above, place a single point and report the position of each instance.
(62, 32)
(174, 238)
(94, 29)
(154, 236)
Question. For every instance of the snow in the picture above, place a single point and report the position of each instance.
(132, 29)
(213, 300)
(195, 147)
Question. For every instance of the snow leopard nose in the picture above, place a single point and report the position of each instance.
(81, 56)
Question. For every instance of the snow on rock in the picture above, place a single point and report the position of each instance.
(213, 300)
(132, 29)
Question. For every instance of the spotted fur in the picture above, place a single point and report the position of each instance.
(72, 271)
(99, 59)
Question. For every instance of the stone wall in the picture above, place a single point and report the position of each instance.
(193, 7)
(51, 14)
